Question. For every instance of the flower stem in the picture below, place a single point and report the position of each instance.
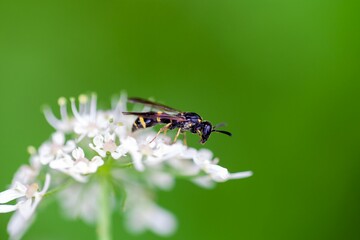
(104, 214)
(60, 188)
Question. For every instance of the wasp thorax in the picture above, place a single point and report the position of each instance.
(192, 117)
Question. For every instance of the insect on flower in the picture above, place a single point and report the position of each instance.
(184, 121)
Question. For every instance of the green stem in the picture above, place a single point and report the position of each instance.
(60, 188)
(104, 215)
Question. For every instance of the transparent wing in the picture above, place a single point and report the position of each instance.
(152, 104)
(155, 115)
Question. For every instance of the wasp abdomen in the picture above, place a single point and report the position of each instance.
(141, 122)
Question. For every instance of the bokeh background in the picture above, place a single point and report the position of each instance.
(283, 74)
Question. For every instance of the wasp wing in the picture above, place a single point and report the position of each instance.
(154, 115)
(152, 104)
(219, 125)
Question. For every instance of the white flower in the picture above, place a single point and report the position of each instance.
(64, 124)
(156, 160)
(29, 195)
(27, 174)
(207, 181)
(151, 216)
(89, 122)
(106, 144)
(214, 171)
(78, 165)
(143, 214)
(121, 124)
(28, 199)
(146, 153)
(184, 166)
(130, 145)
(18, 225)
(163, 151)
(81, 201)
(159, 178)
(49, 150)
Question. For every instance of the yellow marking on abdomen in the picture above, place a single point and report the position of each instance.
(143, 124)
(136, 125)
(158, 118)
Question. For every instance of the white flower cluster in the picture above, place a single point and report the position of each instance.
(91, 142)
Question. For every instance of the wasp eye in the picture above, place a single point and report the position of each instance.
(206, 131)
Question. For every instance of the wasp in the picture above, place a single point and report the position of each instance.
(172, 118)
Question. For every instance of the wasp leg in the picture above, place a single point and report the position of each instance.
(184, 139)
(165, 128)
(177, 135)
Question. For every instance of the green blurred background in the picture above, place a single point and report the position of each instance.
(283, 74)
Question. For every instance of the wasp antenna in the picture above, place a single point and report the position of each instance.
(223, 132)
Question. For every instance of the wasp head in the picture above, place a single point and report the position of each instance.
(205, 129)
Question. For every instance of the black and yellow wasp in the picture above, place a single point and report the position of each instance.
(172, 118)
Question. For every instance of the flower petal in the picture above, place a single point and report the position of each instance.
(203, 157)
(46, 184)
(69, 146)
(204, 181)
(78, 153)
(217, 173)
(7, 208)
(17, 226)
(62, 163)
(137, 161)
(101, 152)
(117, 155)
(81, 167)
(162, 221)
(240, 175)
(98, 141)
(109, 137)
(97, 161)
(10, 194)
(25, 208)
(58, 138)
